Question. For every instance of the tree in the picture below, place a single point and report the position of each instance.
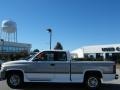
(58, 46)
(36, 50)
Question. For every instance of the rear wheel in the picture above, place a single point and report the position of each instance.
(15, 80)
(92, 82)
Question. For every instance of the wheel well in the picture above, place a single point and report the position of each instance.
(92, 73)
(14, 71)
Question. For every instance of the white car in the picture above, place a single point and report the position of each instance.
(1, 61)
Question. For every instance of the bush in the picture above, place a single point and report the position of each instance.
(87, 59)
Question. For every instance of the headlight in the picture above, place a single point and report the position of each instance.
(2, 66)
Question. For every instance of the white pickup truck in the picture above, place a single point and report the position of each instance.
(57, 67)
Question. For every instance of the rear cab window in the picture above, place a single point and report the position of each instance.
(60, 56)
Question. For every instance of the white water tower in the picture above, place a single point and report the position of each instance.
(9, 31)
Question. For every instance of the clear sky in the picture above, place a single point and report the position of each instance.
(75, 23)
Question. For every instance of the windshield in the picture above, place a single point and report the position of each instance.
(31, 57)
(27, 58)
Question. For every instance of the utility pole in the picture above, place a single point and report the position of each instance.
(2, 45)
(50, 32)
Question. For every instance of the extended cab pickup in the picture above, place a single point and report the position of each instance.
(57, 67)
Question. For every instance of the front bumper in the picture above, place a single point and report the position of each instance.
(2, 75)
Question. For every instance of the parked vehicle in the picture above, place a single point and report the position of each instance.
(1, 61)
(57, 67)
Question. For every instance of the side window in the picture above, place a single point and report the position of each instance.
(46, 56)
(60, 56)
(50, 57)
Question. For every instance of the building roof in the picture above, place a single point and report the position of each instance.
(98, 49)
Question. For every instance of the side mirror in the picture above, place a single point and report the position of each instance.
(36, 59)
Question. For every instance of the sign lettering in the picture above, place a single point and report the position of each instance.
(111, 49)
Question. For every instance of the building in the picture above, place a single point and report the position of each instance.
(110, 52)
(13, 47)
(8, 39)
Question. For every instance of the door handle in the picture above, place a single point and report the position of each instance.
(52, 64)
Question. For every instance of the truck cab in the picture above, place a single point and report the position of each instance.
(49, 65)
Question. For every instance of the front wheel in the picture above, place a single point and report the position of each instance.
(14, 80)
(92, 82)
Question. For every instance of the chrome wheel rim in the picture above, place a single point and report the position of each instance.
(15, 80)
(92, 82)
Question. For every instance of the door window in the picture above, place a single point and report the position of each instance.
(46, 56)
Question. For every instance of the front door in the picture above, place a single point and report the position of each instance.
(42, 67)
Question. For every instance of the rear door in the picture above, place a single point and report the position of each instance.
(61, 67)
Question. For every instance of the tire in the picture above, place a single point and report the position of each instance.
(15, 80)
(92, 82)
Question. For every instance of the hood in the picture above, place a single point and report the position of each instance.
(14, 62)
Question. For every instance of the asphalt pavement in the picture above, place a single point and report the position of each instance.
(37, 86)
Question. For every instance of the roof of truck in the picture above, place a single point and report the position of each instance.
(55, 50)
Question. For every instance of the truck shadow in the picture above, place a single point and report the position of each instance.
(110, 87)
(37, 86)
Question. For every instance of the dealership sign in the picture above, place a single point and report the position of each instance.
(111, 49)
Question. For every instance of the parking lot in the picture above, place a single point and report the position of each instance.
(37, 86)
